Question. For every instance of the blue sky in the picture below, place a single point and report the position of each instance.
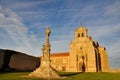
(23, 24)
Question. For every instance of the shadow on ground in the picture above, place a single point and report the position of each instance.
(69, 74)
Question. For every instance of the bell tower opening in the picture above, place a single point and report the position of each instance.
(81, 32)
(78, 34)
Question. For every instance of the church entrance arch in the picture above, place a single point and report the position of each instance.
(81, 66)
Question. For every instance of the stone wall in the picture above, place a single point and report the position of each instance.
(16, 61)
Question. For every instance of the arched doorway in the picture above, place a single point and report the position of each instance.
(81, 66)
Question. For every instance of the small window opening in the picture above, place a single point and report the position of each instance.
(78, 34)
(82, 34)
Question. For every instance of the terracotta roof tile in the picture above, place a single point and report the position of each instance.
(59, 54)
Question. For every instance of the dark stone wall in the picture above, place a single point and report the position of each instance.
(23, 62)
(1, 58)
(16, 61)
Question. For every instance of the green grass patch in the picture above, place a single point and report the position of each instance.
(71, 76)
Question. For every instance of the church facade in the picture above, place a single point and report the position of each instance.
(85, 55)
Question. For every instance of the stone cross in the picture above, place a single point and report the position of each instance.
(45, 70)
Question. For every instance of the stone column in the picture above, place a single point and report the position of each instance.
(45, 70)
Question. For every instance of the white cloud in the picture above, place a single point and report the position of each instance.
(17, 31)
(60, 46)
(115, 48)
(114, 56)
(113, 9)
(24, 4)
(104, 30)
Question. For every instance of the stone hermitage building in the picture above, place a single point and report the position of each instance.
(85, 55)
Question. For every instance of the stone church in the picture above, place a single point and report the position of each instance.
(85, 55)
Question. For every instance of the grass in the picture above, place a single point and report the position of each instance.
(71, 76)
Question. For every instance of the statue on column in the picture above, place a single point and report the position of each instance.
(46, 47)
(45, 70)
(47, 53)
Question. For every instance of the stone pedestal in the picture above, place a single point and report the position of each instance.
(44, 71)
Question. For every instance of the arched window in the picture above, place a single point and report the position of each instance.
(82, 34)
(78, 34)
